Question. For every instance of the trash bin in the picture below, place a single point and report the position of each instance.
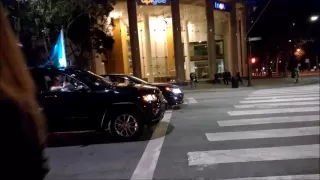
(234, 82)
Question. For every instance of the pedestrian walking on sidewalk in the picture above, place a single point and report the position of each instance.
(239, 77)
(225, 77)
(216, 78)
(193, 80)
(229, 76)
(22, 129)
(297, 73)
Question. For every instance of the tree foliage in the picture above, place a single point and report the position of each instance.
(86, 22)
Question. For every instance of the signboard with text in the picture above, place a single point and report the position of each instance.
(153, 2)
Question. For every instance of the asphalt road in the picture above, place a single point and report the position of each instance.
(249, 134)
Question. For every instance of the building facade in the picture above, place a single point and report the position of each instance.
(161, 39)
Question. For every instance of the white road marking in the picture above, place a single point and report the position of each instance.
(253, 154)
(287, 177)
(279, 100)
(269, 120)
(283, 94)
(148, 162)
(263, 105)
(288, 90)
(191, 100)
(274, 111)
(261, 134)
(279, 97)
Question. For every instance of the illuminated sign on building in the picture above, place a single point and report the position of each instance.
(220, 6)
(153, 2)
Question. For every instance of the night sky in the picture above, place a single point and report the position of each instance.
(279, 16)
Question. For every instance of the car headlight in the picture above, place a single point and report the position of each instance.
(174, 90)
(149, 97)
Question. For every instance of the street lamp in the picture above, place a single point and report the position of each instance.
(298, 50)
(314, 18)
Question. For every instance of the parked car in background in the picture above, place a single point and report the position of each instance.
(171, 92)
(78, 100)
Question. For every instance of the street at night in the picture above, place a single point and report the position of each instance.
(160, 89)
(251, 134)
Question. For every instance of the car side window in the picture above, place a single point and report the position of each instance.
(122, 81)
(57, 82)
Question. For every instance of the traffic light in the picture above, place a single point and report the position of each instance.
(253, 60)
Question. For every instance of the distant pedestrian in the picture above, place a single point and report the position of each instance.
(22, 130)
(225, 77)
(216, 79)
(193, 80)
(229, 76)
(297, 73)
(239, 77)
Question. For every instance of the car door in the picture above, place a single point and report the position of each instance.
(67, 108)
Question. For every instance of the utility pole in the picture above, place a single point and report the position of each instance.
(249, 65)
(248, 32)
(317, 63)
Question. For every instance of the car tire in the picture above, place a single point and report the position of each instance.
(126, 126)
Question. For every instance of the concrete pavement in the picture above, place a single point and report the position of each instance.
(215, 135)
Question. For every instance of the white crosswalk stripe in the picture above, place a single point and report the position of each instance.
(270, 133)
(281, 105)
(279, 100)
(269, 120)
(190, 100)
(274, 111)
(279, 97)
(266, 105)
(293, 177)
(254, 154)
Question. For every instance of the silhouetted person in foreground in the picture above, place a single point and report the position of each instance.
(22, 129)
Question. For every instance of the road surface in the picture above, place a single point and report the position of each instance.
(267, 134)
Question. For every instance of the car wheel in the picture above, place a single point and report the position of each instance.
(126, 126)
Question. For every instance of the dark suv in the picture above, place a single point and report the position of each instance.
(78, 100)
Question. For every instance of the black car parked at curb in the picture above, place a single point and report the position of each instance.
(78, 100)
(171, 92)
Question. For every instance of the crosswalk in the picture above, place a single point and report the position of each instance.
(190, 100)
(270, 107)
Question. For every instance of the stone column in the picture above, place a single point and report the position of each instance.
(212, 61)
(234, 42)
(134, 37)
(177, 43)
(147, 45)
(186, 48)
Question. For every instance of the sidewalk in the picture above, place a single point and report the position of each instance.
(256, 84)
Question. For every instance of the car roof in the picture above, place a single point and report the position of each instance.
(115, 75)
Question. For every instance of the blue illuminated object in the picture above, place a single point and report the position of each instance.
(58, 55)
(220, 6)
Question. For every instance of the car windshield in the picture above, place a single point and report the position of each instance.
(137, 80)
(92, 80)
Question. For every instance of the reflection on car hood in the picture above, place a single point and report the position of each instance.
(164, 85)
(137, 86)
